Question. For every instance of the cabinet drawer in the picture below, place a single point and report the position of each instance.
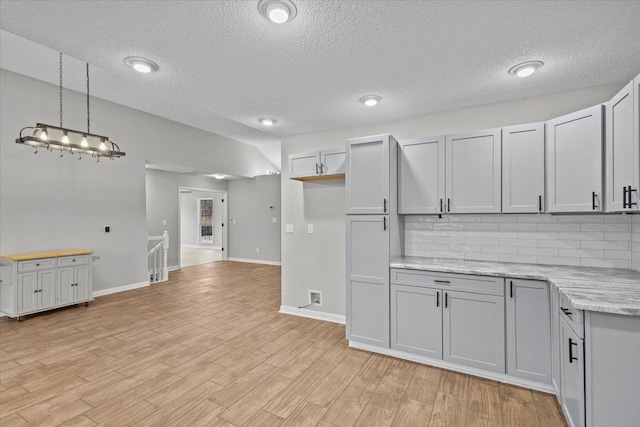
(574, 318)
(36, 264)
(70, 261)
(448, 281)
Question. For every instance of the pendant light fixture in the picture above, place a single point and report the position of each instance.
(64, 139)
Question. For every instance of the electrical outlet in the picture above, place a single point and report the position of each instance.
(289, 228)
(315, 298)
(310, 228)
(274, 220)
(257, 250)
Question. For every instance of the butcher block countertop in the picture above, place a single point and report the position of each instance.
(40, 255)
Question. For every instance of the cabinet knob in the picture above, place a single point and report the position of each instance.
(38, 264)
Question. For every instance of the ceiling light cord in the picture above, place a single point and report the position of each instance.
(60, 89)
(88, 109)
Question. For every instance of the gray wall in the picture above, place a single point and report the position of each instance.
(635, 242)
(317, 261)
(189, 218)
(249, 201)
(163, 202)
(52, 203)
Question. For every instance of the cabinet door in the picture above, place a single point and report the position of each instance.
(47, 286)
(367, 175)
(332, 162)
(635, 196)
(304, 164)
(28, 292)
(574, 159)
(555, 343)
(572, 375)
(416, 320)
(622, 150)
(368, 279)
(529, 330)
(473, 331)
(82, 283)
(421, 176)
(65, 285)
(473, 171)
(523, 168)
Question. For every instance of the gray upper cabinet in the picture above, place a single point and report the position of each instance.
(367, 174)
(317, 165)
(623, 153)
(421, 176)
(572, 375)
(368, 279)
(574, 161)
(523, 153)
(473, 172)
(474, 330)
(416, 320)
(528, 330)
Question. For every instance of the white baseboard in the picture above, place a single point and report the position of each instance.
(503, 378)
(312, 314)
(254, 261)
(173, 267)
(109, 291)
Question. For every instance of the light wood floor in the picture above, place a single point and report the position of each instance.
(209, 348)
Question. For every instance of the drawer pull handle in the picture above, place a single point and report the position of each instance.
(442, 281)
(571, 344)
(73, 260)
(38, 264)
(437, 299)
(446, 300)
(511, 286)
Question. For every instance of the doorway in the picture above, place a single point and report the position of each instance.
(202, 217)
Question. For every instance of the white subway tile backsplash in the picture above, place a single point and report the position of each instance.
(611, 241)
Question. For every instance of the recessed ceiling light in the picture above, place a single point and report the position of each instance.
(218, 176)
(526, 68)
(278, 11)
(370, 100)
(267, 121)
(141, 65)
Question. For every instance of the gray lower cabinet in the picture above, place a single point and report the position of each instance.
(368, 279)
(572, 375)
(555, 342)
(528, 330)
(416, 320)
(474, 330)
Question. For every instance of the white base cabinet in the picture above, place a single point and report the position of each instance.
(572, 375)
(39, 284)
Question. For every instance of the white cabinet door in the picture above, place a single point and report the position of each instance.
(474, 330)
(529, 330)
(574, 160)
(367, 175)
(523, 168)
(416, 320)
(304, 164)
(82, 291)
(332, 162)
(622, 150)
(555, 343)
(28, 292)
(368, 279)
(47, 286)
(572, 375)
(473, 172)
(66, 286)
(421, 176)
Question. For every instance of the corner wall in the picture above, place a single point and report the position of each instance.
(317, 261)
(251, 217)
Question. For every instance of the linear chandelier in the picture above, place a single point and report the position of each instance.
(63, 139)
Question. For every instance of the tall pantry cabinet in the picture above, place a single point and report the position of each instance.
(373, 233)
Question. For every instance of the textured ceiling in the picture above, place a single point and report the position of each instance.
(420, 56)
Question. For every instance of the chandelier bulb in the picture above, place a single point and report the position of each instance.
(65, 138)
(103, 146)
(43, 135)
(84, 143)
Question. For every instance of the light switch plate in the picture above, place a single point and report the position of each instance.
(310, 228)
(274, 220)
(164, 222)
(289, 228)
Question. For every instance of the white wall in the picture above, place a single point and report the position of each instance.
(50, 203)
(635, 242)
(317, 261)
(163, 203)
(253, 203)
(189, 218)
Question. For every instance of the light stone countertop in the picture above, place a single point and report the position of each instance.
(607, 290)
